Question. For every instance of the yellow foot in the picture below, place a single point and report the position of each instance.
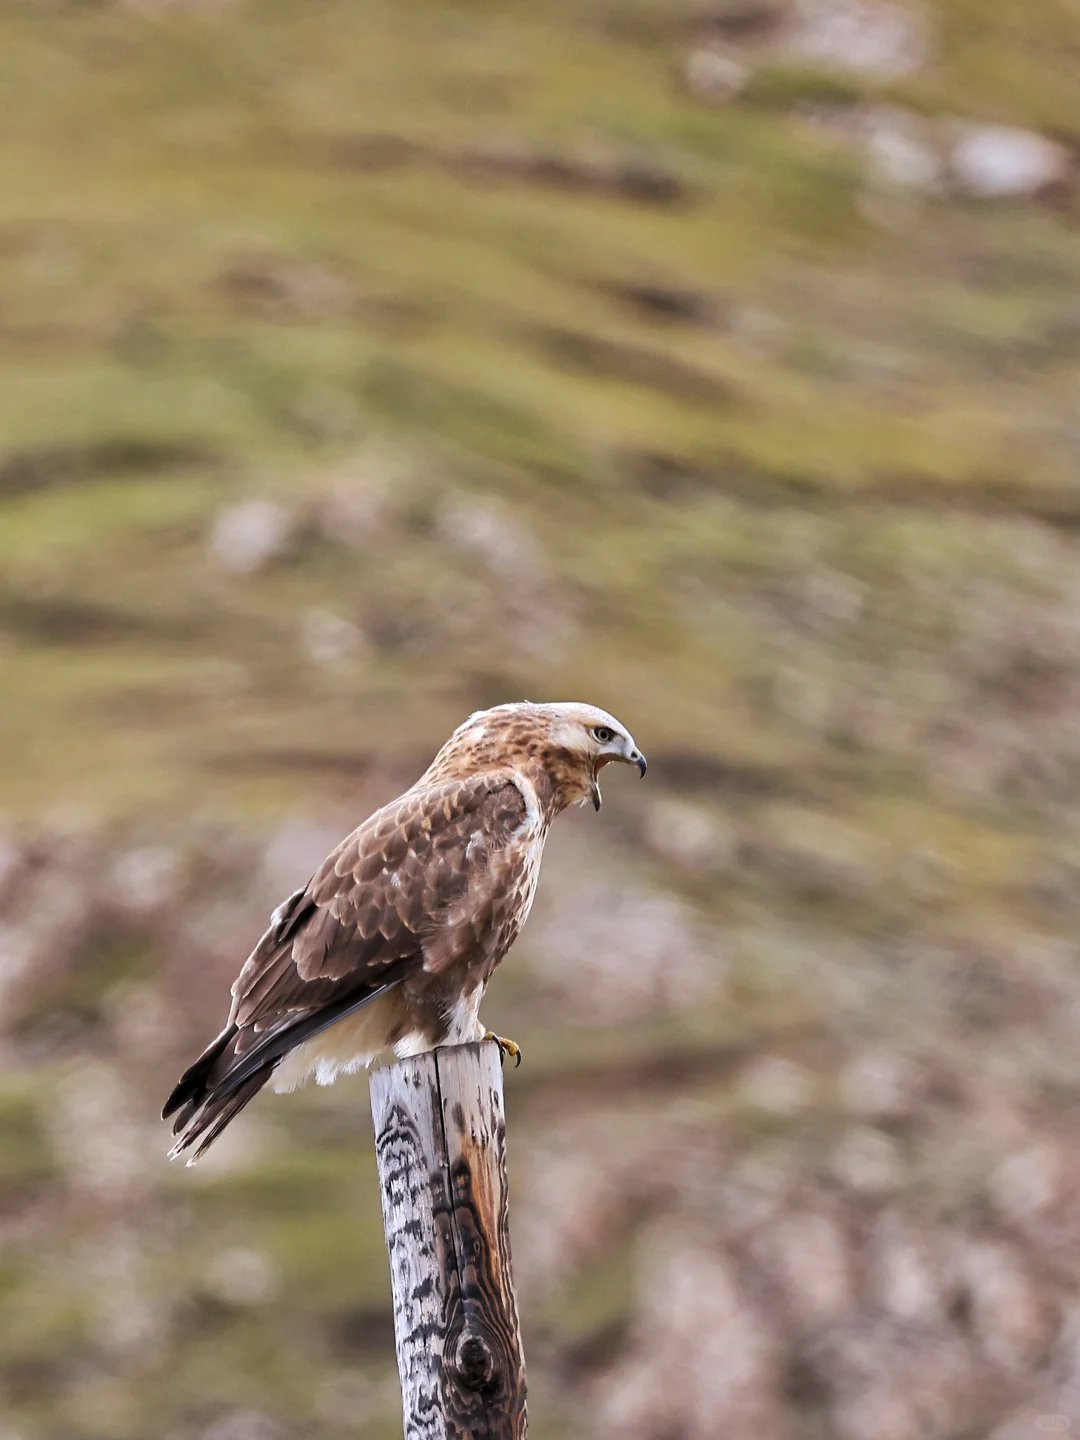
(506, 1047)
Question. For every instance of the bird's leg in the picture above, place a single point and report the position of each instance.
(506, 1047)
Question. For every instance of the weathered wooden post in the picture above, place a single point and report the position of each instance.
(440, 1138)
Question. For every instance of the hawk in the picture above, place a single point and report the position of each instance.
(390, 945)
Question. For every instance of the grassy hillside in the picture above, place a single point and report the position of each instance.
(249, 249)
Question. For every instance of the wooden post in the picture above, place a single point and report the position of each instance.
(440, 1139)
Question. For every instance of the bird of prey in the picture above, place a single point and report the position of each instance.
(389, 947)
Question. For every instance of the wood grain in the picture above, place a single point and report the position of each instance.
(440, 1136)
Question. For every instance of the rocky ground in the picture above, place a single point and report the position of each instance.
(718, 364)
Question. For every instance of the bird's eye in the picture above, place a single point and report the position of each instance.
(603, 734)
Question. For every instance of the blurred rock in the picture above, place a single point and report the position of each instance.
(246, 1425)
(903, 148)
(353, 513)
(349, 1398)
(286, 287)
(741, 1196)
(326, 411)
(816, 601)
(662, 300)
(706, 1363)
(740, 20)
(595, 168)
(906, 1273)
(368, 493)
(810, 1256)
(18, 950)
(1010, 1318)
(621, 953)
(131, 1315)
(711, 75)
(295, 851)
(881, 1085)
(574, 1196)
(758, 331)
(928, 875)
(819, 851)
(543, 624)
(145, 880)
(1067, 1348)
(247, 537)
(330, 639)
(143, 1025)
(12, 859)
(54, 906)
(242, 1277)
(537, 616)
(1028, 1182)
(499, 540)
(104, 1140)
(1002, 161)
(99, 1403)
(776, 1086)
(889, 1386)
(689, 836)
(221, 681)
(868, 1162)
(877, 38)
(1056, 1413)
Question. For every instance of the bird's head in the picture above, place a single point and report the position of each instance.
(566, 742)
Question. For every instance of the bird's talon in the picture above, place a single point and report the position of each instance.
(506, 1047)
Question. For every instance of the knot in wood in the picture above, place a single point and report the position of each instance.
(474, 1364)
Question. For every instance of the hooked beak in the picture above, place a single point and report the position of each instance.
(638, 759)
(595, 794)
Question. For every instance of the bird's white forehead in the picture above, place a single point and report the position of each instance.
(567, 711)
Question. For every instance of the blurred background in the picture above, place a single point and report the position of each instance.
(713, 361)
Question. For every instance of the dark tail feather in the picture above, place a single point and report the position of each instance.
(202, 1110)
(195, 1084)
(215, 1114)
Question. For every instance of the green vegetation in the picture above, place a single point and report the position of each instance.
(212, 285)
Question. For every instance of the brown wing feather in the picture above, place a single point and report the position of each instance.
(375, 912)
